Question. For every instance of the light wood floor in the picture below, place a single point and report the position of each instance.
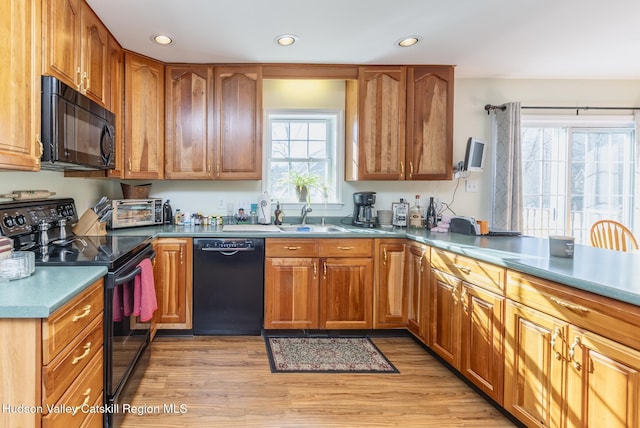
(226, 382)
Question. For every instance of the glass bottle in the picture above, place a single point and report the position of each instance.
(277, 215)
(431, 214)
(416, 214)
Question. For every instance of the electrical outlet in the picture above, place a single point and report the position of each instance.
(471, 186)
(221, 204)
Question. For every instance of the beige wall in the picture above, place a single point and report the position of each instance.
(470, 119)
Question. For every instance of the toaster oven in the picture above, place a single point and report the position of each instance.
(135, 212)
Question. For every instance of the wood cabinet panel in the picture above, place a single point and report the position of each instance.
(390, 296)
(534, 368)
(94, 49)
(61, 36)
(238, 94)
(20, 121)
(482, 339)
(144, 118)
(331, 247)
(445, 322)
(291, 293)
(381, 127)
(417, 280)
(189, 121)
(174, 260)
(115, 103)
(430, 122)
(285, 247)
(474, 271)
(346, 289)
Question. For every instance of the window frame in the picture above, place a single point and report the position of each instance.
(336, 116)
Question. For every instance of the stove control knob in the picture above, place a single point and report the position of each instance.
(8, 221)
(20, 220)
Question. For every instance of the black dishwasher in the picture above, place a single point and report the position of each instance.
(228, 286)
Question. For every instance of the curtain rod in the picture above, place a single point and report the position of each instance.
(489, 108)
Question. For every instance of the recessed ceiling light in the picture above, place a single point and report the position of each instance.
(162, 39)
(408, 41)
(286, 39)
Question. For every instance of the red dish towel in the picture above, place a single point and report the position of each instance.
(144, 292)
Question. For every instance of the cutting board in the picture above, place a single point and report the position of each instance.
(250, 228)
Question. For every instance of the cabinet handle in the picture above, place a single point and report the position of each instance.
(324, 269)
(315, 270)
(79, 81)
(87, 311)
(401, 168)
(292, 248)
(181, 257)
(463, 297)
(41, 147)
(410, 169)
(87, 397)
(572, 353)
(384, 256)
(421, 259)
(570, 306)
(345, 248)
(208, 167)
(557, 333)
(87, 350)
(217, 168)
(129, 164)
(86, 82)
(453, 294)
(463, 269)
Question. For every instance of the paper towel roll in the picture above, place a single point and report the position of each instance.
(264, 208)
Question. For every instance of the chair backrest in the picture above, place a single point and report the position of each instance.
(612, 235)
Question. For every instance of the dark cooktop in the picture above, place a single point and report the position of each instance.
(109, 251)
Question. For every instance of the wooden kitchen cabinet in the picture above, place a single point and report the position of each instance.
(305, 290)
(429, 151)
(143, 118)
(20, 148)
(238, 122)
(417, 280)
(466, 319)
(57, 361)
(76, 47)
(115, 103)
(404, 122)
(189, 122)
(174, 288)
(572, 358)
(390, 293)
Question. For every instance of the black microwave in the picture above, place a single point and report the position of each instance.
(76, 132)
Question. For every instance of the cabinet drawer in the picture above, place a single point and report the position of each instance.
(346, 247)
(86, 390)
(610, 318)
(67, 322)
(291, 247)
(60, 373)
(473, 271)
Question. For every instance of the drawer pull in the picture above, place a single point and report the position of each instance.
(315, 270)
(292, 248)
(87, 311)
(87, 397)
(87, 350)
(345, 248)
(384, 253)
(568, 305)
(463, 269)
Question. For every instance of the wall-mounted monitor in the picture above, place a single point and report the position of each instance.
(474, 155)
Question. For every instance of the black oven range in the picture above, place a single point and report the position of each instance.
(44, 227)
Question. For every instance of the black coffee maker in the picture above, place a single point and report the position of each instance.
(363, 209)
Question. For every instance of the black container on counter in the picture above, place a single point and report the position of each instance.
(167, 213)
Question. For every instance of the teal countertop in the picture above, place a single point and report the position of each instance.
(608, 273)
(47, 289)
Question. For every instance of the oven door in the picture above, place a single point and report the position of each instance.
(126, 339)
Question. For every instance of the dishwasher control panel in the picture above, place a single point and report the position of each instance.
(226, 244)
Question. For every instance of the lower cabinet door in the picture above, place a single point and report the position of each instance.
(291, 293)
(346, 289)
(445, 313)
(603, 382)
(534, 366)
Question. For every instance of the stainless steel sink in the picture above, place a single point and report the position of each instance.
(311, 228)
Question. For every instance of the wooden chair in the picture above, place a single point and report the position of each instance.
(612, 235)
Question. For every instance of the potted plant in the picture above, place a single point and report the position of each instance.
(304, 183)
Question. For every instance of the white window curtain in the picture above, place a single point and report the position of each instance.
(636, 203)
(507, 168)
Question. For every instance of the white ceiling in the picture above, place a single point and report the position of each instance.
(577, 39)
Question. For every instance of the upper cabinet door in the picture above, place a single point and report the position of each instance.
(429, 122)
(238, 95)
(189, 127)
(94, 51)
(144, 117)
(20, 95)
(381, 123)
(61, 39)
(115, 102)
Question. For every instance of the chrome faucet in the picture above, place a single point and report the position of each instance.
(306, 209)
